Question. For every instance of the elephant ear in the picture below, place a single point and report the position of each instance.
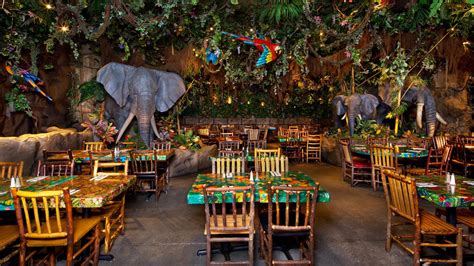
(115, 77)
(369, 104)
(339, 103)
(170, 89)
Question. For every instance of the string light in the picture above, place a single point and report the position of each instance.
(251, 30)
(262, 104)
(48, 6)
(229, 100)
(211, 28)
(64, 28)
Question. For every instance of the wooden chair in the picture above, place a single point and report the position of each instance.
(377, 141)
(275, 164)
(382, 158)
(433, 166)
(313, 147)
(9, 235)
(256, 144)
(101, 156)
(113, 214)
(54, 156)
(464, 217)
(353, 168)
(460, 159)
(229, 145)
(233, 222)
(54, 231)
(293, 128)
(282, 132)
(439, 142)
(226, 134)
(402, 201)
(92, 146)
(228, 165)
(55, 168)
(253, 134)
(161, 145)
(292, 148)
(149, 177)
(129, 145)
(286, 219)
(231, 154)
(263, 133)
(11, 169)
(265, 153)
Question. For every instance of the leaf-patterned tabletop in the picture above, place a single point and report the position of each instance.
(83, 156)
(444, 195)
(195, 193)
(90, 194)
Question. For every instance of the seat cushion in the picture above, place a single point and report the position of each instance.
(81, 228)
(359, 163)
(8, 235)
(432, 225)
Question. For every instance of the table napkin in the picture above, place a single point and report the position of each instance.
(38, 178)
(426, 185)
(98, 178)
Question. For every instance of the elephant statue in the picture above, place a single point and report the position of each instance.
(422, 97)
(139, 92)
(366, 106)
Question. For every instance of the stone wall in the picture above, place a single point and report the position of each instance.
(195, 121)
(330, 151)
(29, 147)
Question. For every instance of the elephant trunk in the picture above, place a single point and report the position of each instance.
(430, 117)
(351, 123)
(144, 128)
(419, 113)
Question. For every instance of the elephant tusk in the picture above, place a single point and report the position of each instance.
(440, 119)
(344, 117)
(153, 125)
(360, 117)
(124, 126)
(419, 113)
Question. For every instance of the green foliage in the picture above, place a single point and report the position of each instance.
(274, 11)
(92, 89)
(188, 140)
(19, 101)
(369, 128)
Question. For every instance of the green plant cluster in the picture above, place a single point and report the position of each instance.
(188, 140)
(19, 101)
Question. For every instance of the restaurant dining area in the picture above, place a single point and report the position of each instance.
(240, 132)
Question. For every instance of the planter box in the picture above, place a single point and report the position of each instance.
(330, 151)
(187, 162)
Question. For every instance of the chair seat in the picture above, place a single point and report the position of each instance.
(463, 216)
(432, 225)
(416, 171)
(8, 235)
(81, 228)
(456, 161)
(229, 220)
(360, 163)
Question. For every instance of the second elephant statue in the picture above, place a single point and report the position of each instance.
(367, 106)
(139, 92)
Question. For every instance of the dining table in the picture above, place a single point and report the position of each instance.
(436, 190)
(291, 178)
(404, 152)
(82, 156)
(86, 192)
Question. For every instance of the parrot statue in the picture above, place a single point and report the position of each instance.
(269, 51)
(33, 80)
(212, 57)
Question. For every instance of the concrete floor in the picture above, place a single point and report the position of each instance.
(350, 230)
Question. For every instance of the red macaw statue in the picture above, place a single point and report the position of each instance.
(33, 80)
(270, 51)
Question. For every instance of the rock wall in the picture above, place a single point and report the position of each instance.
(330, 151)
(186, 161)
(29, 147)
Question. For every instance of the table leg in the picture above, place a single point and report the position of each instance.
(451, 217)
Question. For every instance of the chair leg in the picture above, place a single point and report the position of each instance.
(388, 241)
(208, 251)
(70, 254)
(22, 254)
(107, 239)
(96, 245)
(251, 251)
(52, 256)
(459, 248)
(417, 249)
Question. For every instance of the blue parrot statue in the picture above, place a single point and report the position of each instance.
(33, 80)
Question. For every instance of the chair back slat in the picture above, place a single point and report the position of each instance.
(11, 169)
(43, 227)
(290, 219)
(229, 145)
(92, 146)
(383, 157)
(401, 195)
(228, 165)
(241, 202)
(55, 156)
(253, 133)
(226, 153)
(144, 162)
(55, 168)
(161, 145)
(110, 168)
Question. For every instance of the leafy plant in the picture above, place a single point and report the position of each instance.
(19, 101)
(278, 10)
(188, 141)
(92, 89)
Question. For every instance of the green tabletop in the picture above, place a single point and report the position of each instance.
(404, 152)
(195, 193)
(443, 195)
(91, 194)
(280, 139)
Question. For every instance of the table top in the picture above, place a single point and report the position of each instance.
(91, 194)
(231, 138)
(404, 151)
(83, 156)
(441, 194)
(195, 193)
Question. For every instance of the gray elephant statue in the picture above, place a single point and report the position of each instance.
(139, 92)
(422, 97)
(365, 106)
